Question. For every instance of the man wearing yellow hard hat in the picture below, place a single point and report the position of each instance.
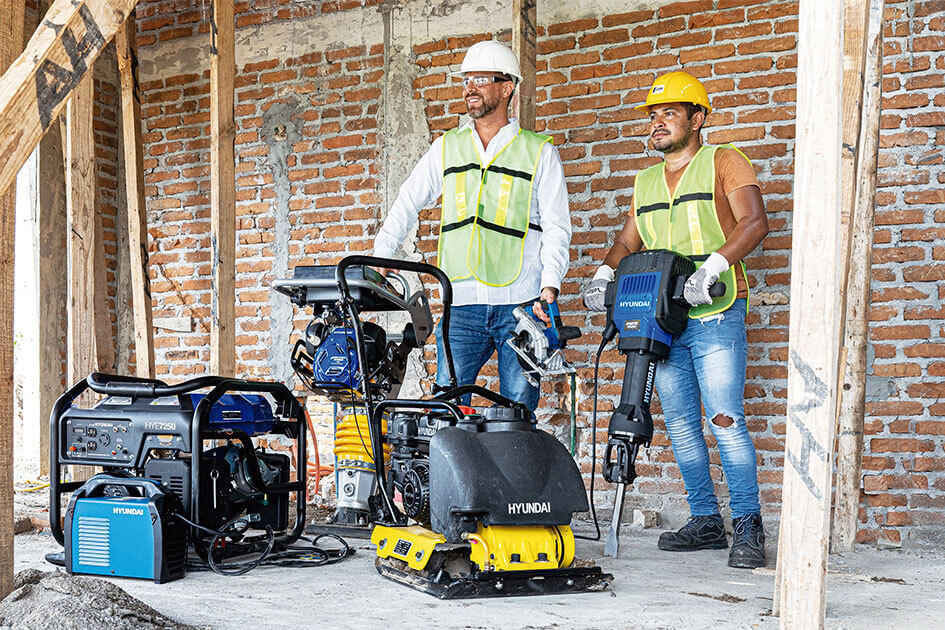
(704, 202)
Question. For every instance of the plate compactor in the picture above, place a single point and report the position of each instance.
(645, 311)
(181, 473)
(465, 502)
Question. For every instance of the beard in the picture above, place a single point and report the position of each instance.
(666, 144)
(485, 107)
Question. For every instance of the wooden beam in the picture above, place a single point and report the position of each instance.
(11, 43)
(814, 344)
(80, 191)
(35, 88)
(134, 187)
(524, 44)
(852, 405)
(52, 281)
(222, 191)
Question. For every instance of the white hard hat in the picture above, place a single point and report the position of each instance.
(490, 56)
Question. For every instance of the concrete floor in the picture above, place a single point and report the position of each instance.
(871, 588)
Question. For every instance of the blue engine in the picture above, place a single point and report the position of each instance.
(335, 361)
(245, 412)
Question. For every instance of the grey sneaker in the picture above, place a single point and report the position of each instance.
(701, 532)
(748, 544)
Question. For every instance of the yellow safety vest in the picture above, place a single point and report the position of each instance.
(686, 222)
(486, 207)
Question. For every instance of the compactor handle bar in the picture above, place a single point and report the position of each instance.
(404, 265)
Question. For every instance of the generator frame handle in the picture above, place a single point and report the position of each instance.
(137, 387)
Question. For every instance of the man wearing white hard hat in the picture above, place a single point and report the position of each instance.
(505, 228)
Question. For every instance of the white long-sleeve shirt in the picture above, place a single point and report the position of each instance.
(545, 260)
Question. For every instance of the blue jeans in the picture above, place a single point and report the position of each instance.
(476, 330)
(706, 367)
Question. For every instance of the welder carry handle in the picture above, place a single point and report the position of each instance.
(446, 290)
(564, 333)
(95, 486)
(716, 290)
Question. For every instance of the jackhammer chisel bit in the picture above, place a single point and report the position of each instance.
(613, 539)
(618, 469)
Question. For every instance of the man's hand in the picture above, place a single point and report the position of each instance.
(696, 291)
(549, 295)
(597, 289)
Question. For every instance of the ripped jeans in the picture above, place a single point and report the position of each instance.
(707, 365)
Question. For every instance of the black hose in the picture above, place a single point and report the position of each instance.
(600, 351)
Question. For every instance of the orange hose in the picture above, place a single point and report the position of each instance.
(318, 472)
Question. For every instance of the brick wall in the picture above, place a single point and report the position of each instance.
(591, 71)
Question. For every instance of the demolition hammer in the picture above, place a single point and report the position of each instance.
(646, 311)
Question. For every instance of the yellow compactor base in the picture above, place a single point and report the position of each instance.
(496, 548)
(497, 561)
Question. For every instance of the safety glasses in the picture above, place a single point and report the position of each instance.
(481, 81)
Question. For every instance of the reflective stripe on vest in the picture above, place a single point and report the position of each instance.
(687, 223)
(486, 207)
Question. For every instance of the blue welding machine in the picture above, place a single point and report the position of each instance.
(125, 527)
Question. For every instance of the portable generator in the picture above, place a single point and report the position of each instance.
(125, 526)
(179, 447)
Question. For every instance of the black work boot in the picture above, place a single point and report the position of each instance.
(701, 532)
(748, 544)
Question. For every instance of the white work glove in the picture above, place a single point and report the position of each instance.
(597, 289)
(696, 291)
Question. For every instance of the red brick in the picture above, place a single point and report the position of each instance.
(572, 27)
(756, 64)
(715, 18)
(660, 27)
(574, 59)
(927, 390)
(709, 52)
(923, 44)
(924, 273)
(900, 445)
(756, 29)
(625, 18)
(768, 44)
(599, 38)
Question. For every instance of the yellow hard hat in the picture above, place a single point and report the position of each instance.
(677, 87)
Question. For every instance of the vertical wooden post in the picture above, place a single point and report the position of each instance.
(87, 317)
(854, 58)
(525, 47)
(134, 188)
(813, 348)
(853, 399)
(52, 281)
(11, 43)
(222, 191)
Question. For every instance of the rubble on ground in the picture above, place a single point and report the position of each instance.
(53, 600)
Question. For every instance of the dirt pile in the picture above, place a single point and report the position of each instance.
(55, 600)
